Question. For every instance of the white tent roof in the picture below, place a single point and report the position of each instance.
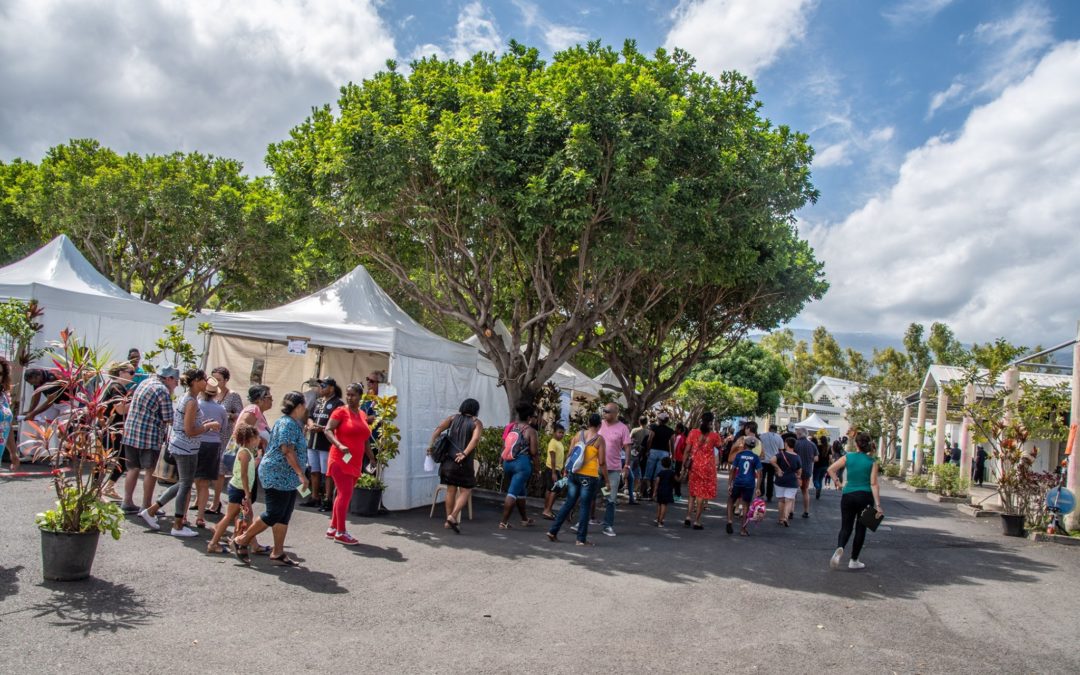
(815, 423)
(607, 380)
(59, 277)
(566, 377)
(352, 313)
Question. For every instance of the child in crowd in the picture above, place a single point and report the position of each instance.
(665, 490)
(743, 482)
(246, 439)
(553, 464)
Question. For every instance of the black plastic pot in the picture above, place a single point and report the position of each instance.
(1012, 526)
(365, 502)
(67, 556)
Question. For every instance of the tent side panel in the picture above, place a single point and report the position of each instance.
(348, 366)
(269, 362)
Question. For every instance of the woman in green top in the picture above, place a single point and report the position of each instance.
(860, 493)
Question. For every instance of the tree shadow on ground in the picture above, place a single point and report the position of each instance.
(93, 606)
(904, 559)
(9, 581)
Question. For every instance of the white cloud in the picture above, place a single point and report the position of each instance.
(556, 36)
(743, 35)
(1010, 48)
(161, 75)
(942, 97)
(832, 155)
(915, 11)
(476, 31)
(978, 230)
(882, 135)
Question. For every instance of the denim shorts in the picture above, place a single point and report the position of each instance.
(236, 495)
(318, 460)
(518, 471)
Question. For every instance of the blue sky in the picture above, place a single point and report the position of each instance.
(947, 152)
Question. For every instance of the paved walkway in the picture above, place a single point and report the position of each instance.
(940, 593)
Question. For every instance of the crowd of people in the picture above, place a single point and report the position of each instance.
(206, 440)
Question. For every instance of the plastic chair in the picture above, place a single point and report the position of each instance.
(442, 487)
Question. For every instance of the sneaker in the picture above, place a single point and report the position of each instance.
(573, 528)
(346, 539)
(855, 565)
(818, 495)
(609, 531)
(151, 521)
(804, 515)
(183, 532)
(594, 522)
(331, 533)
(834, 561)
(130, 509)
(324, 507)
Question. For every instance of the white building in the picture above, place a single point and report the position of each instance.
(830, 398)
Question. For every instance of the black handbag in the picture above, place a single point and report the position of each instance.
(870, 518)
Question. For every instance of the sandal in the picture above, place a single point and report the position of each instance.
(699, 527)
(218, 548)
(585, 543)
(263, 550)
(505, 526)
(215, 511)
(528, 523)
(241, 552)
(547, 516)
(453, 526)
(284, 561)
(200, 523)
(744, 532)
(552, 537)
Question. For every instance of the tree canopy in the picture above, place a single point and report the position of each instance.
(750, 366)
(572, 200)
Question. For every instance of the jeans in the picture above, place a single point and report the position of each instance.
(519, 471)
(633, 474)
(851, 505)
(181, 489)
(614, 478)
(653, 466)
(678, 481)
(819, 476)
(579, 490)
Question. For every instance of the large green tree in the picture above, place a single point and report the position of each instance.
(568, 199)
(749, 366)
(21, 233)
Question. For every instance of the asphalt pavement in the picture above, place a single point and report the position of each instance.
(941, 593)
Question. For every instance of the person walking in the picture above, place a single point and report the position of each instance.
(617, 444)
(458, 471)
(662, 443)
(838, 451)
(348, 432)
(665, 490)
(7, 415)
(821, 466)
(808, 455)
(234, 405)
(860, 492)
(240, 492)
(520, 448)
(771, 444)
(701, 448)
(640, 439)
(208, 465)
(150, 414)
(743, 480)
(980, 464)
(188, 425)
(554, 459)
(281, 474)
(582, 484)
(319, 444)
(679, 454)
(116, 401)
(789, 473)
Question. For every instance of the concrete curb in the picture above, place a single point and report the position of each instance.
(969, 510)
(1044, 538)
(942, 499)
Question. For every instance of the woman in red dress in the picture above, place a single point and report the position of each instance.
(701, 457)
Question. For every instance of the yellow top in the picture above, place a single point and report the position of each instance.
(591, 465)
(560, 454)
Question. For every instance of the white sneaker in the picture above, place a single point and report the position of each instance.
(609, 531)
(151, 521)
(834, 562)
(855, 565)
(183, 532)
(573, 528)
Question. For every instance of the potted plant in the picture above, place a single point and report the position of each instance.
(367, 497)
(70, 531)
(1006, 421)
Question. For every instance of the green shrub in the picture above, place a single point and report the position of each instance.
(920, 481)
(892, 470)
(947, 481)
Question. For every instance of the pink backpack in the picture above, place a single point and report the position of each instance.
(756, 512)
(515, 443)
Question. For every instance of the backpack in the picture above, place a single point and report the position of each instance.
(515, 444)
(576, 459)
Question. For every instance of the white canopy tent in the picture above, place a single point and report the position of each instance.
(349, 329)
(73, 294)
(814, 424)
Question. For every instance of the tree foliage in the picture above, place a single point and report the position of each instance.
(723, 400)
(556, 198)
(749, 366)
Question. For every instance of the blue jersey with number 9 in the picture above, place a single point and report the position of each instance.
(746, 466)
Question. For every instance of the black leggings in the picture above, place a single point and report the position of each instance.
(851, 505)
(121, 462)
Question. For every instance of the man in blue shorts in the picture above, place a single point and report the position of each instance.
(743, 482)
